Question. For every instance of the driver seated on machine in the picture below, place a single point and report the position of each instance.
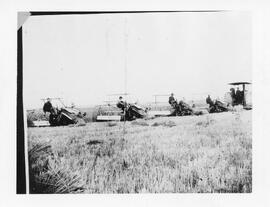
(48, 107)
(121, 103)
(172, 100)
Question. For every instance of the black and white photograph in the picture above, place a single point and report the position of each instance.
(136, 102)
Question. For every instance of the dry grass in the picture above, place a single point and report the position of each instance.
(140, 123)
(210, 153)
(112, 123)
(165, 123)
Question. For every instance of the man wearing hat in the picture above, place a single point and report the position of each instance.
(172, 100)
(47, 107)
(121, 104)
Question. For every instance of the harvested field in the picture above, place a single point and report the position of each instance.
(194, 154)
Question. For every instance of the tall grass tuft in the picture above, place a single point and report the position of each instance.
(46, 174)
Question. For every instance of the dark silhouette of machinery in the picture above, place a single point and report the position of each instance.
(131, 111)
(216, 106)
(239, 97)
(64, 115)
(181, 108)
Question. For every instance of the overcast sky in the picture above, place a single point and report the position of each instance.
(83, 58)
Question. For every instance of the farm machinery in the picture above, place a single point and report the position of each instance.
(122, 111)
(181, 108)
(108, 112)
(231, 99)
(131, 111)
(134, 111)
(115, 113)
(239, 97)
(216, 106)
(61, 116)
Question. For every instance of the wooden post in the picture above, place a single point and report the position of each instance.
(244, 97)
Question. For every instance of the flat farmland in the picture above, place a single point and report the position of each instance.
(211, 153)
